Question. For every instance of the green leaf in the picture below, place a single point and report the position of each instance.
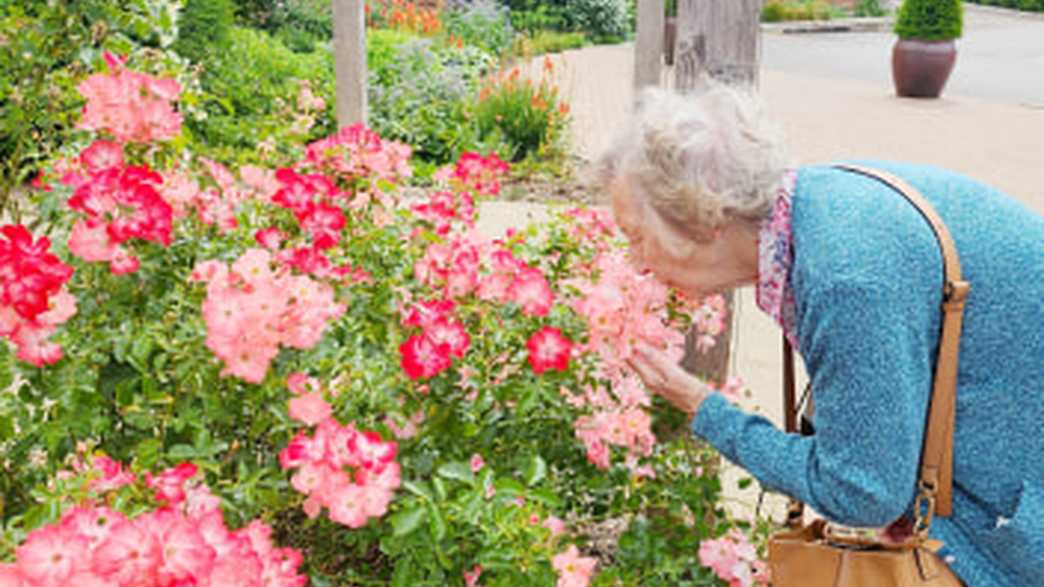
(418, 489)
(148, 452)
(436, 523)
(181, 451)
(457, 471)
(407, 521)
(537, 471)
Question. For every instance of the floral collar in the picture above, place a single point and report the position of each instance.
(775, 256)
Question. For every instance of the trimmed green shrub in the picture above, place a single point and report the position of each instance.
(602, 20)
(930, 20)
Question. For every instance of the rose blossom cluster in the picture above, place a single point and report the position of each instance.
(708, 319)
(215, 205)
(473, 176)
(622, 308)
(316, 204)
(616, 419)
(471, 264)
(357, 152)
(442, 338)
(33, 298)
(592, 226)
(184, 542)
(132, 106)
(735, 560)
(475, 173)
(320, 460)
(119, 202)
(252, 309)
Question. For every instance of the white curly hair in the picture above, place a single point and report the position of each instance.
(697, 160)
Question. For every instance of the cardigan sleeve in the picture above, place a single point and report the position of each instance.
(869, 351)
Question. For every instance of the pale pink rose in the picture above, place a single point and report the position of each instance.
(310, 408)
(91, 243)
(61, 307)
(477, 463)
(573, 570)
(555, 525)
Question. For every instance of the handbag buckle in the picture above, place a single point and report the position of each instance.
(924, 509)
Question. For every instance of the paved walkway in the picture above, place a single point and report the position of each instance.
(826, 116)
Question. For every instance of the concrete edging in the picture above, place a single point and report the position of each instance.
(1001, 11)
(839, 25)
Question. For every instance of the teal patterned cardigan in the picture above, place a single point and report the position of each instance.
(867, 276)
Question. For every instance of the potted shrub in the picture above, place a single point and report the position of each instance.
(924, 53)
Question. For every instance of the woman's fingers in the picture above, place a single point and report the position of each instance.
(647, 372)
(666, 378)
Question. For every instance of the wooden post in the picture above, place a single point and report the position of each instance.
(349, 23)
(719, 39)
(648, 44)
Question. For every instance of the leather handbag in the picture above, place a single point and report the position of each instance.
(819, 554)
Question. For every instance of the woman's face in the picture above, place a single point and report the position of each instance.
(707, 267)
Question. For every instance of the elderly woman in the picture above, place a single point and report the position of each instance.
(852, 274)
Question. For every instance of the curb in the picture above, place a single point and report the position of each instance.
(840, 25)
(1000, 11)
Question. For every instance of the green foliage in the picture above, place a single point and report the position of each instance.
(46, 49)
(204, 27)
(302, 24)
(539, 17)
(479, 23)
(930, 20)
(423, 96)
(547, 41)
(788, 10)
(870, 8)
(139, 379)
(605, 21)
(526, 118)
(249, 95)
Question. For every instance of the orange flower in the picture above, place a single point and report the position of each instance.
(563, 108)
(548, 65)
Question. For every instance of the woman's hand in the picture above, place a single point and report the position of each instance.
(667, 379)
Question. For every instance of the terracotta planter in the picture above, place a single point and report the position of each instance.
(920, 68)
(670, 33)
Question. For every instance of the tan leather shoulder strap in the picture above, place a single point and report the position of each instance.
(936, 476)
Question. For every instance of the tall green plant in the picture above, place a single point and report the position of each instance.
(930, 20)
(203, 28)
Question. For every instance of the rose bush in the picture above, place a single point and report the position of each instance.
(395, 397)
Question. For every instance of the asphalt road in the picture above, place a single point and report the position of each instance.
(1000, 57)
